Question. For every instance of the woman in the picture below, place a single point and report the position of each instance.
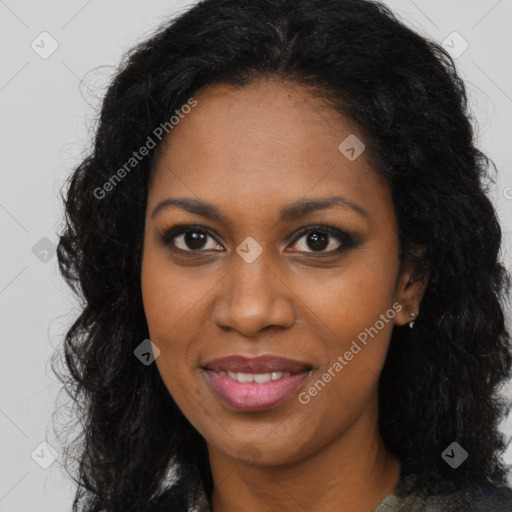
(290, 273)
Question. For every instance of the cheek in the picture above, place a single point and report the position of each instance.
(346, 384)
(168, 294)
(349, 299)
(171, 306)
(159, 284)
(355, 306)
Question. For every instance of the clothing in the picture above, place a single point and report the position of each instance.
(489, 499)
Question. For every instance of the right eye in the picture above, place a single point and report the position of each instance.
(190, 239)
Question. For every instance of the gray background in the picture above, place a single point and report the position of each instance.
(48, 111)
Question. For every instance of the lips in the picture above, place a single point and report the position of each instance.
(261, 364)
(255, 384)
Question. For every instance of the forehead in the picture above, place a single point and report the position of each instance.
(262, 143)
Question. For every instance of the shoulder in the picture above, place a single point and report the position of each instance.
(486, 498)
(490, 499)
(482, 498)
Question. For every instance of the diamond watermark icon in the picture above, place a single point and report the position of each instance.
(44, 455)
(44, 250)
(454, 455)
(249, 249)
(44, 45)
(352, 147)
(147, 352)
(455, 44)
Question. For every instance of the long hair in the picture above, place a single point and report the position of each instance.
(441, 380)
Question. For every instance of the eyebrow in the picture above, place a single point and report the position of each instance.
(289, 212)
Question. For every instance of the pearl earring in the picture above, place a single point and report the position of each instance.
(411, 323)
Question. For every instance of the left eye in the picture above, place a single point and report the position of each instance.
(322, 239)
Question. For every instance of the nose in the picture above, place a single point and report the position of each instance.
(253, 298)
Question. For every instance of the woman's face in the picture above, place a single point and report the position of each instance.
(266, 277)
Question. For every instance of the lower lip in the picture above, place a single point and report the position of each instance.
(249, 396)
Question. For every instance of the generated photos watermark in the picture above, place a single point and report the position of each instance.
(158, 133)
(343, 360)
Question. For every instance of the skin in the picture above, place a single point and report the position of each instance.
(251, 151)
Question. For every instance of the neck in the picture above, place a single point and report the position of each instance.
(352, 472)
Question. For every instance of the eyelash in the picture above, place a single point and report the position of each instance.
(346, 241)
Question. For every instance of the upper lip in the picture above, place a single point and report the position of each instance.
(261, 364)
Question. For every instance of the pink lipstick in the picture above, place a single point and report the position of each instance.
(252, 384)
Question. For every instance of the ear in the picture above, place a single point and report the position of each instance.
(411, 287)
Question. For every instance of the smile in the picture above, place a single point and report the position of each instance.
(258, 378)
(255, 383)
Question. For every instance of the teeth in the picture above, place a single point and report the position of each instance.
(261, 378)
(258, 378)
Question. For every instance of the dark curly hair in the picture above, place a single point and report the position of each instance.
(440, 382)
